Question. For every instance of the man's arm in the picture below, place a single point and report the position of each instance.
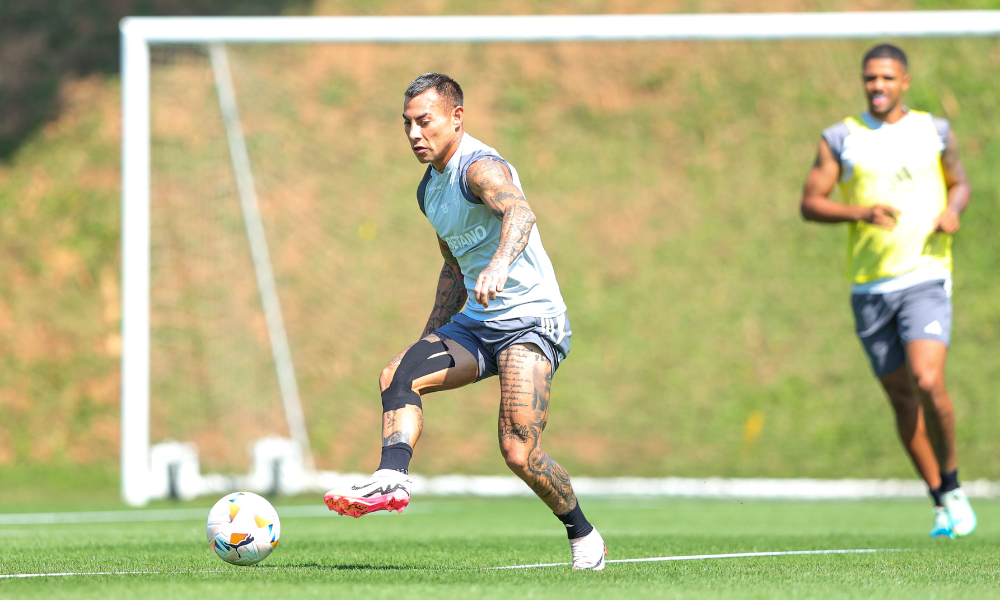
(451, 294)
(958, 188)
(817, 206)
(491, 182)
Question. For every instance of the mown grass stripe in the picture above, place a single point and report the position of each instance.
(541, 565)
(132, 516)
(30, 575)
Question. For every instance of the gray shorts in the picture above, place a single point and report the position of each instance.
(486, 339)
(887, 322)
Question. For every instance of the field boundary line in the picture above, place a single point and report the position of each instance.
(713, 556)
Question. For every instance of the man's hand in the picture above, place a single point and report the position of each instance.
(947, 222)
(490, 283)
(881, 215)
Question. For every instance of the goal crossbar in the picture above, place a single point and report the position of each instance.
(138, 33)
(554, 28)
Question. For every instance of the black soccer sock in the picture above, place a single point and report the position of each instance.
(396, 457)
(936, 495)
(949, 481)
(576, 524)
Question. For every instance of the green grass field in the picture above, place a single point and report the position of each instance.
(441, 548)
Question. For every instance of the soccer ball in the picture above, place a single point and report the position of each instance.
(243, 528)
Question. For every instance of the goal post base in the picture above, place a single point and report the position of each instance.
(277, 468)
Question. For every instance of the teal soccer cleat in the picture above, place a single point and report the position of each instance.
(963, 520)
(942, 524)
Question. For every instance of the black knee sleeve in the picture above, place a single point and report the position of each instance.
(416, 363)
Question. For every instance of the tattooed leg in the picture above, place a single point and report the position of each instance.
(403, 425)
(525, 380)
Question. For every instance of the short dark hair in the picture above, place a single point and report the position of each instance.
(885, 51)
(445, 86)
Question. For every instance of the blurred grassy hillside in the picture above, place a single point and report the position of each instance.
(712, 332)
(46, 43)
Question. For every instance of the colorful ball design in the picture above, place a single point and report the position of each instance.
(243, 528)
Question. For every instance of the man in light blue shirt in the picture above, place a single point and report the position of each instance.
(497, 311)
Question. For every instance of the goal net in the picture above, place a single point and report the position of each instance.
(275, 258)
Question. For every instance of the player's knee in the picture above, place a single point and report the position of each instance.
(385, 377)
(929, 382)
(397, 392)
(900, 392)
(397, 387)
(515, 454)
(517, 463)
(933, 388)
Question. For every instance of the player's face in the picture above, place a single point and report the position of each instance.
(432, 127)
(885, 81)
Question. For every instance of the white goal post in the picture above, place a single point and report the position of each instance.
(138, 33)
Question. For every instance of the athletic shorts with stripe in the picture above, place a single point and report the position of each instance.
(486, 339)
(885, 323)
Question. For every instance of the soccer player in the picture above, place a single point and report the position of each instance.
(903, 188)
(497, 311)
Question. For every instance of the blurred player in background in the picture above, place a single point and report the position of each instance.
(498, 311)
(903, 189)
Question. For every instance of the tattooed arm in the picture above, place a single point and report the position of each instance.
(491, 182)
(958, 187)
(451, 294)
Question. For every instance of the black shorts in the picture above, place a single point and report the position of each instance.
(486, 339)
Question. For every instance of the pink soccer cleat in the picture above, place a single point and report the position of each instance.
(385, 490)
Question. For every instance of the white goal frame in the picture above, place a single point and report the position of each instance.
(138, 33)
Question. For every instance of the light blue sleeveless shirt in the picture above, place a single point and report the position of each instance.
(472, 233)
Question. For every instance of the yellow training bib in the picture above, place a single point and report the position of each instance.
(897, 165)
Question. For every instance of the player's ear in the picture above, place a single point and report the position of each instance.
(906, 81)
(457, 115)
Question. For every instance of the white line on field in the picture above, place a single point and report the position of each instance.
(710, 556)
(27, 575)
